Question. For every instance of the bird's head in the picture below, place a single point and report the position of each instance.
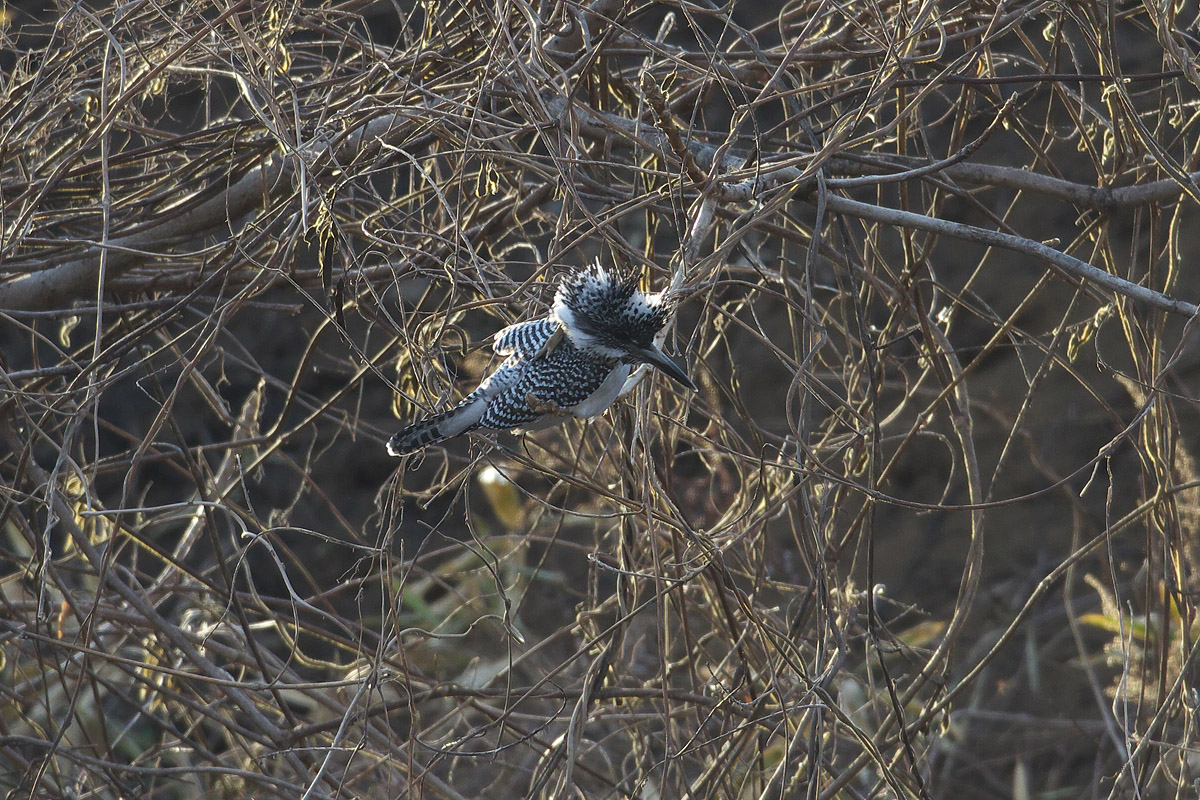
(606, 313)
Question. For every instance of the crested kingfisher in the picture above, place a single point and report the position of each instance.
(574, 362)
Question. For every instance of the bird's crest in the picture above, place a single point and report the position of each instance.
(608, 308)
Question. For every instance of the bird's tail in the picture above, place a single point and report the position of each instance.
(459, 420)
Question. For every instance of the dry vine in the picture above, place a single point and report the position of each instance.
(931, 262)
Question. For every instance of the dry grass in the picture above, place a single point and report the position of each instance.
(933, 261)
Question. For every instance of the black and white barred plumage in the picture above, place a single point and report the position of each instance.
(573, 362)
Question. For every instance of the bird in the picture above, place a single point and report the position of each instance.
(574, 362)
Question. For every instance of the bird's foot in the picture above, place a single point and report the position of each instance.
(543, 406)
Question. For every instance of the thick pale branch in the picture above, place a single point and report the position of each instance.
(65, 283)
(784, 168)
(605, 124)
(1069, 264)
(1100, 198)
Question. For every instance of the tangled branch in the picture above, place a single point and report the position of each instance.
(924, 530)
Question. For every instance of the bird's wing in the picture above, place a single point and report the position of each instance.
(525, 339)
(549, 384)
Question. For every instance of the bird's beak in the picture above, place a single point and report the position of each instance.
(658, 359)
